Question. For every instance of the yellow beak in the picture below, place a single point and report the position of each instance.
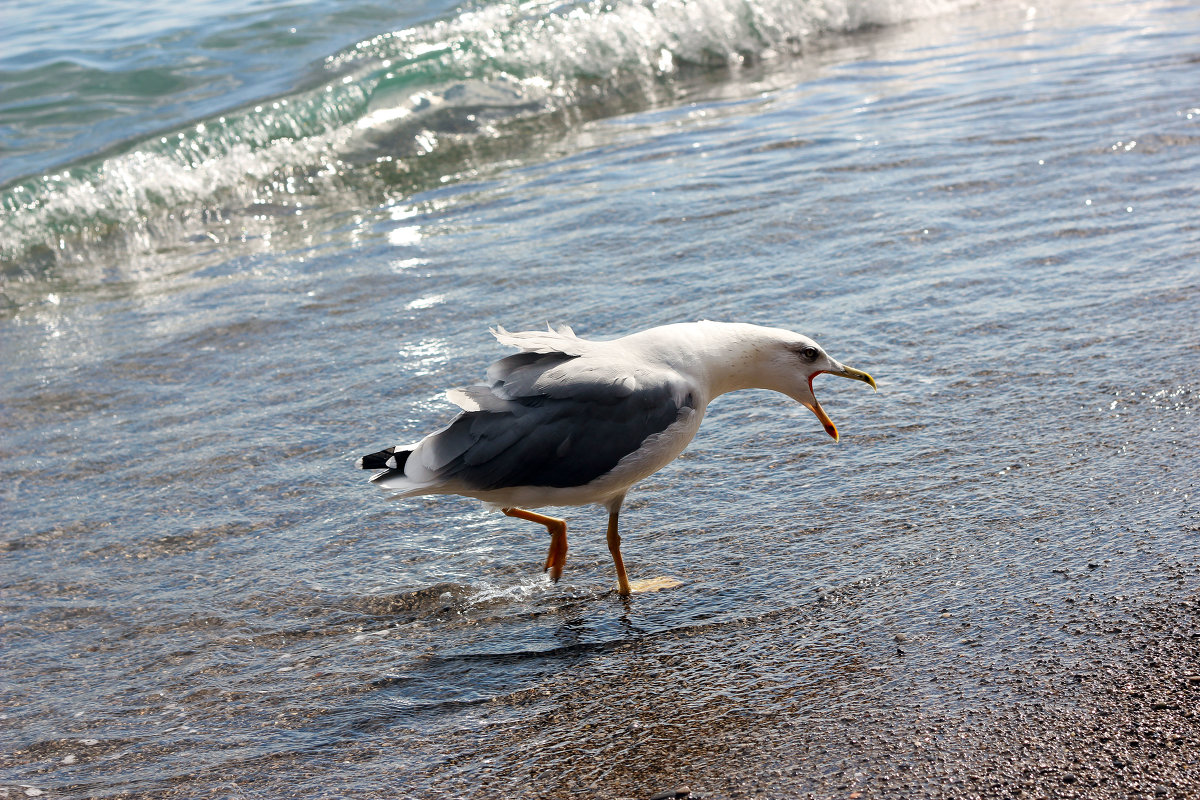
(815, 407)
(856, 375)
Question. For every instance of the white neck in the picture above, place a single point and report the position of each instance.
(719, 356)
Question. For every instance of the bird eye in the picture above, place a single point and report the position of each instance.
(810, 353)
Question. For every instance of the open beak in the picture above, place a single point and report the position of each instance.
(815, 407)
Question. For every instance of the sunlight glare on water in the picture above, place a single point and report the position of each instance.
(991, 211)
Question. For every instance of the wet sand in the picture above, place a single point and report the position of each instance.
(1112, 716)
(1102, 705)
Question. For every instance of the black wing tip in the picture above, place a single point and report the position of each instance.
(391, 459)
(376, 460)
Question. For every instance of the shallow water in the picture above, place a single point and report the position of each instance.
(993, 211)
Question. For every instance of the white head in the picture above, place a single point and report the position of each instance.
(782, 361)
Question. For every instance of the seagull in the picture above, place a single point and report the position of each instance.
(570, 421)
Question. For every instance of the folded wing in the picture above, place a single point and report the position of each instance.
(547, 419)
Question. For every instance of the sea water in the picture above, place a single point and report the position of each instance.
(242, 244)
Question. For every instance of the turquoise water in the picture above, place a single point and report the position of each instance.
(79, 80)
(234, 257)
(390, 114)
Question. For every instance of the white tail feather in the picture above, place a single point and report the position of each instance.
(562, 340)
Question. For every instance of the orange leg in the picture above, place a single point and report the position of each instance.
(556, 559)
(614, 547)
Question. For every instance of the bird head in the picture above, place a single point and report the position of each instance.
(795, 361)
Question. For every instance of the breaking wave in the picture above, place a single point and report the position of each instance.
(402, 106)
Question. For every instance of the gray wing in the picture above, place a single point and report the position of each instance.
(552, 419)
